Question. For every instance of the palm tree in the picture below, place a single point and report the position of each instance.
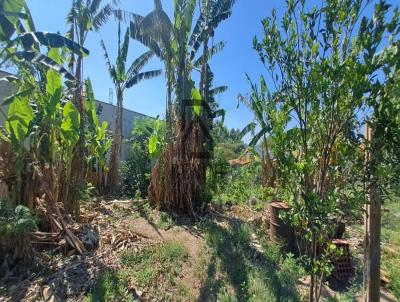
(22, 41)
(258, 103)
(177, 43)
(83, 17)
(122, 80)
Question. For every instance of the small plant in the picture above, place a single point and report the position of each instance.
(241, 185)
(15, 220)
(110, 287)
(15, 224)
(225, 296)
(135, 171)
(84, 193)
(165, 222)
(289, 272)
(160, 263)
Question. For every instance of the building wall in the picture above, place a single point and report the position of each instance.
(108, 112)
(129, 118)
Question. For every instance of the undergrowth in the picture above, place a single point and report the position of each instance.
(235, 271)
(391, 238)
(149, 272)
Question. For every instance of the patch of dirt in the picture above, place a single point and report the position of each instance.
(121, 225)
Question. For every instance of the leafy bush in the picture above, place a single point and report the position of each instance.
(241, 184)
(15, 223)
(289, 272)
(135, 172)
(15, 220)
(84, 192)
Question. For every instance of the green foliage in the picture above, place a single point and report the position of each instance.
(19, 116)
(228, 184)
(160, 263)
(166, 221)
(391, 239)
(22, 41)
(290, 272)
(97, 136)
(240, 184)
(157, 139)
(84, 193)
(247, 278)
(135, 171)
(15, 220)
(321, 75)
(110, 287)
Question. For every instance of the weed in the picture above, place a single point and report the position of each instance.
(110, 287)
(159, 263)
(184, 293)
(225, 296)
(15, 220)
(84, 192)
(289, 272)
(391, 237)
(165, 222)
(267, 277)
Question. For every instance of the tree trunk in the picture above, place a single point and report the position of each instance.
(113, 175)
(175, 177)
(373, 223)
(78, 161)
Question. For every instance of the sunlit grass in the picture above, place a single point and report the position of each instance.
(391, 238)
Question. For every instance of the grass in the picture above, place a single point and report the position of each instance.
(234, 271)
(155, 268)
(165, 221)
(110, 287)
(150, 271)
(391, 238)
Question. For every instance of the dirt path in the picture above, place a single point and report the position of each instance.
(225, 259)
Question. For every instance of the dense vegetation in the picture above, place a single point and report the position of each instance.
(324, 141)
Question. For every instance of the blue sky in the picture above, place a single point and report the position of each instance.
(148, 97)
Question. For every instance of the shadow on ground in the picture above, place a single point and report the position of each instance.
(239, 272)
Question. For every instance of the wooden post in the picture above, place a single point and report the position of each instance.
(372, 223)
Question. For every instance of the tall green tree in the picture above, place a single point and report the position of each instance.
(21, 41)
(177, 42)
(84, 17)
(123, 78)
(319, 67)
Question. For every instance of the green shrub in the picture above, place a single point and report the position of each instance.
(15, 220)
(110, 287)
(136, 170)
(289, 272)
(84, 192)
(241, 184)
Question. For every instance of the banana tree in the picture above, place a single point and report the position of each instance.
(83, 17)
(177, 42)
(98, 141)
(123, 78)
(258, 103)
(41, 124)
(21, 41)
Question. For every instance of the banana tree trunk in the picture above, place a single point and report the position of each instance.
(174, 180)
(113, 176)
(71, 203)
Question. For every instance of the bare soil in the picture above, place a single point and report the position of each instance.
(121, 225)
